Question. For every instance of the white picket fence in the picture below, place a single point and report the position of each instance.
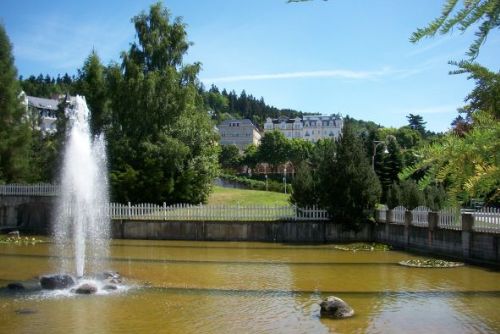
(420, 216)
(40, 189)
(487, 220)
(190, 212)
(397, 215)
(450, 218)
(382, 212)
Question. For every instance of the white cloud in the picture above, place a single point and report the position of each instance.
(336, 73)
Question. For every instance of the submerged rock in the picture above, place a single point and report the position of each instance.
(86, 289)
(15, 234)
(334, 307)
(110, 287)
(55, 282)
(16, 286)
(25, 311)
(110, 277)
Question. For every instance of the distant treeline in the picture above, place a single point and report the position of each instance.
(221, 104)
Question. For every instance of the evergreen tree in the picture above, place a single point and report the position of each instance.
(349, 187)
(416, 122)
(91, 84)
(15, 135)
(392, 164)
(162, 143)
(304, 186)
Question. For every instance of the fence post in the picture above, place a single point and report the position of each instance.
(433, 220)
(408, 221)
(467, 226)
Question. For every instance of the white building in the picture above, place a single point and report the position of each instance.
(44, 110)
(310, 128)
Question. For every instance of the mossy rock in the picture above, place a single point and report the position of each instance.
(430, 263)
(363, 246)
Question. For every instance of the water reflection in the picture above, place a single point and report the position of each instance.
(257, 288)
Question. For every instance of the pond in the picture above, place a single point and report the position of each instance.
(228, 287)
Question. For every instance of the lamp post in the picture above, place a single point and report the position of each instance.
(376, 143)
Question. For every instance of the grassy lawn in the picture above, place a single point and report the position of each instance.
(246, 197)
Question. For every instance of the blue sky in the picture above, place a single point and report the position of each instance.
(341, 56)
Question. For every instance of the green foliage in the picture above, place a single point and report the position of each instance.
(250, 156)
(468, 166)
(258, 185)
(162, 143)
(299, 150)
(304, 186)
(47, 86)
(91, 84)
(416, 122)
(486, 94)
(15, 134)
(411, 195)
(389, 165)
(230, 156)
(393, 197)
(349, 188)
(483, 13)
(273, 148)
(228, 105)
(435, 197)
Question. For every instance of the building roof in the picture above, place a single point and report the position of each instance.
(241, 121)
(42, 103)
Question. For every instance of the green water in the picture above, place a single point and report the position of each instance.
(216, 287)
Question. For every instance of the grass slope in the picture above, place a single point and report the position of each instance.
(232, 196)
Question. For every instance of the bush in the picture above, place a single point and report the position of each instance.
(258, 185)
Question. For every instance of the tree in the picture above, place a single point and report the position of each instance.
(349, 187)
(391, 166)
(486, 94)
(250, 156)
(300, 150)
(485, 13)
(230, 156)
(416, 122)
(15, 135)
(273, 148)
(468, 166)
(162, 142)
(91, 83)
(304, 186)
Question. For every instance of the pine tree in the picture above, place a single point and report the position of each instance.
(15, 137)
(91, 83)
(349, 187)
(162, 142)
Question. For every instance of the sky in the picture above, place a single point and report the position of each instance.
(351, 57)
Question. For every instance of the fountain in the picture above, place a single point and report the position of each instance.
(81, 230)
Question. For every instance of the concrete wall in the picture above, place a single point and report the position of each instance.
(28, 213)
(299, 232)
(33, 214)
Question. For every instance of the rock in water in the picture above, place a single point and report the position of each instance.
(110, 287)
(55, 282)
(15, 234)
(17, 286)
(334, 307)
(86, 289)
